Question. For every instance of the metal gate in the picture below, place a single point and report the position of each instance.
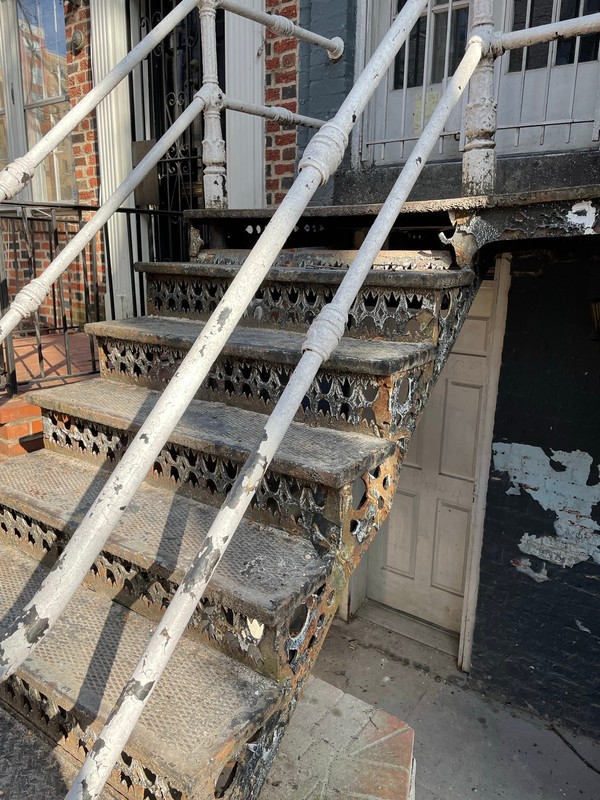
(161, 88)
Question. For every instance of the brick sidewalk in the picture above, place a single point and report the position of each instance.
(20, 421)
(27, 360)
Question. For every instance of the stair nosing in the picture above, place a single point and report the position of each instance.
(399, 280)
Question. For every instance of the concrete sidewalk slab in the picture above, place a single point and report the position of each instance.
(338, 747)
(466, 745)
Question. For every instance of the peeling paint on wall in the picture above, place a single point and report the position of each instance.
(559, 484)
(583, 215)
(524, 565)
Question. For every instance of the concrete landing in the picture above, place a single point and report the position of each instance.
(466, 745)
(338, 747)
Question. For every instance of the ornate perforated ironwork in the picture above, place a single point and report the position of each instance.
(372, 499)
(308, 627)
(81, 436)
(455, 307)
(280, 499)
(377, 311)
(76, 738)
(381, 404)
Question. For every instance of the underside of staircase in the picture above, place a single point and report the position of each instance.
(213, 725)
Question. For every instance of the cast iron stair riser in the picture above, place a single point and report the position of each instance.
(362, 387)
(405, 297)
(307, 490)
(264, 605)
(207, 712)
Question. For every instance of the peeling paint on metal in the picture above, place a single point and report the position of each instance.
(560, 484)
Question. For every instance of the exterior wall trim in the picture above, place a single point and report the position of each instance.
(465, 647)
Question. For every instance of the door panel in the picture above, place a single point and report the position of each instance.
(417, 562)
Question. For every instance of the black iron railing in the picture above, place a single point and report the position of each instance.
(51, 344)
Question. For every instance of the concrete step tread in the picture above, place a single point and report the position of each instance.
(33, 767)
(321, 455)
(392, 269)
(264, 571)
(204, 702)
(272, 345)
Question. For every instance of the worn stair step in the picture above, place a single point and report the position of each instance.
(406, 296)
(265, 582)
(305, 489)
(203, 712)
(378, 387)
(33, 767)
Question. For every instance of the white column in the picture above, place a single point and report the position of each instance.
(109, 46)
(245, 80)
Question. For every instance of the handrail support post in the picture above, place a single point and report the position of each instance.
(214, 156)
(479, 157)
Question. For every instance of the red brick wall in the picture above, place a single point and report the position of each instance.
(281, 89)
(85, 150)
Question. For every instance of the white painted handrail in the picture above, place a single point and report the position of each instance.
(31, 296)
(276, 113)
(322, 339)
(282, 25)
(16, 175)
(322, 156)
(578, 26)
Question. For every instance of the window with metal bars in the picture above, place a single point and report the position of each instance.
(530, 13)
(435, 46)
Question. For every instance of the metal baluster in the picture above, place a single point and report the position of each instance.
(479, 157)
(213, 144)
(8, 349)
(55, 248)
(29, 244)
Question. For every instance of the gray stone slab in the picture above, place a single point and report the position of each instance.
(338, 747)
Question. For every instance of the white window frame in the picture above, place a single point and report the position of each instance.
(16, 107)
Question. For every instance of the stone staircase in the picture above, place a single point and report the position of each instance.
(212, 727)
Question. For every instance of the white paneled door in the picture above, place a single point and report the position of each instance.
(417, 564)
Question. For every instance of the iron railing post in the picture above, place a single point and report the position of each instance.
(479, 157)
(213, 144)
(7, 354)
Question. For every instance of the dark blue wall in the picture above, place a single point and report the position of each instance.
(323, 85)
(537, 635)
